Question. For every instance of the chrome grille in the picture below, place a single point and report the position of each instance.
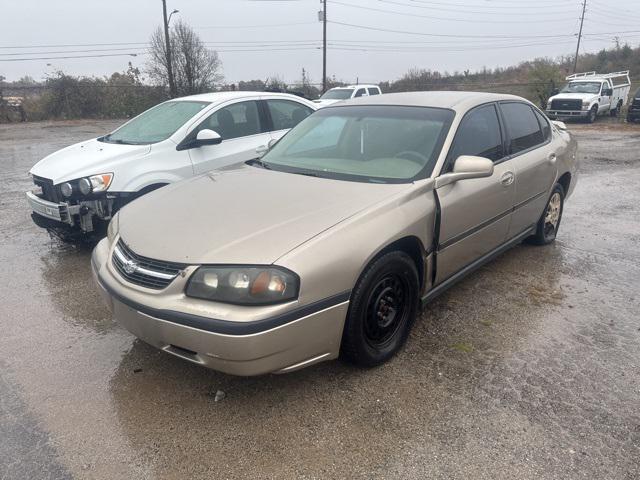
(143, 271)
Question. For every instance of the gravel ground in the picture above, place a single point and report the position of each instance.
(528, 369)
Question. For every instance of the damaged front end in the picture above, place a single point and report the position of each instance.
(72, 209)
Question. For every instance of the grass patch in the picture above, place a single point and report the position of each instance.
(463, 347)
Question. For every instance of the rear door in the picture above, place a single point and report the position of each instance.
(533, 158)
(243, 130)
(475, 214)
(284, 114)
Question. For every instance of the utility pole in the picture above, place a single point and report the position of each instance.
(575, 60)
(324, 45)
(172, 84)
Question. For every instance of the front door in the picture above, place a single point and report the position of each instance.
(243, 134)
(475, 213)
(605, 99)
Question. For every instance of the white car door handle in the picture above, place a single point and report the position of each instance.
(507, 178)
(552, 158)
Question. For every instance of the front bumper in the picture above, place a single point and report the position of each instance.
(81, 216)
(240, 346)
(563, 114)
(60, 212)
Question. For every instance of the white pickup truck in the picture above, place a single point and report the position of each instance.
(589, 94)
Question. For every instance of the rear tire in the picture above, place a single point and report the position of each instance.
(616, 111)
(549, 223)
(383, 307)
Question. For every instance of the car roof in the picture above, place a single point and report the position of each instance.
(219, 97)
(458, 100)
(349, 87)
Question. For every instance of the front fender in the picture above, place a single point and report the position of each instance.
(332, 261)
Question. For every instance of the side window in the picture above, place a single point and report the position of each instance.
(544, 124)
(373, 91)
(522, 125)
(286, 113)
(237, 120)
(478, 134)
(360, 93)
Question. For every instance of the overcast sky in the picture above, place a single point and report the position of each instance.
(370, 40)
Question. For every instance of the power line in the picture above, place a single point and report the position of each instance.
(484, 11)
(366, 27)
(408, 14)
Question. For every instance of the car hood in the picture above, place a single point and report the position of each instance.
(571, 96)
(325, 103)
(86, 158)
(246, 215)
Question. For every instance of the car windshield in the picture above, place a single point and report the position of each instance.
(156, 124)
(382, 144)
(582, 87)
(338, 94)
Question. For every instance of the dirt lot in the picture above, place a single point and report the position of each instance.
(528, 369)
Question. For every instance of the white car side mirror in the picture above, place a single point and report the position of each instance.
(208, 137)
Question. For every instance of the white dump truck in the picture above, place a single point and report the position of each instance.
(589, 94)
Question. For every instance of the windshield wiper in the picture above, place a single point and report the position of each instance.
(257, 161)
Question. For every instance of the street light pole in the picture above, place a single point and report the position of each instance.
(172, 84)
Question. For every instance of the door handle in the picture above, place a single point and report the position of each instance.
(507, 178)
(552, 158)
(262, 149)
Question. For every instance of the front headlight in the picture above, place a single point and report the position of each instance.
(113, 228)
(244, 285)
(95, 183)
(585, 104)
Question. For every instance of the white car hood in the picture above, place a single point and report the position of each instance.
(325, 103)
(86, 158)
(571, 96)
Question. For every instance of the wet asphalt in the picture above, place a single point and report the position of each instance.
(528, 369)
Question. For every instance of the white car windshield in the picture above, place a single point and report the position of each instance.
(337, 94)
(582, 87)
(382, 144)
(156, 124)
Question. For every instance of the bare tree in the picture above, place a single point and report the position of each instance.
(195, 67)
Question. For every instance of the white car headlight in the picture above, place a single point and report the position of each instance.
(95, 183)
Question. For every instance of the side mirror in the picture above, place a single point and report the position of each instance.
(208, 137)
(560, 125)
(466, 167)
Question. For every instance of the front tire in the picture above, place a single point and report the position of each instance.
(549, 222)
(593, 114)
(383, 307)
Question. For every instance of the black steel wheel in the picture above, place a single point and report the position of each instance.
(383, 306)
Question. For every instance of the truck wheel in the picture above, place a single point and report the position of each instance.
(616, 111)
(593, 113)
(383, 306)
(549, 222)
